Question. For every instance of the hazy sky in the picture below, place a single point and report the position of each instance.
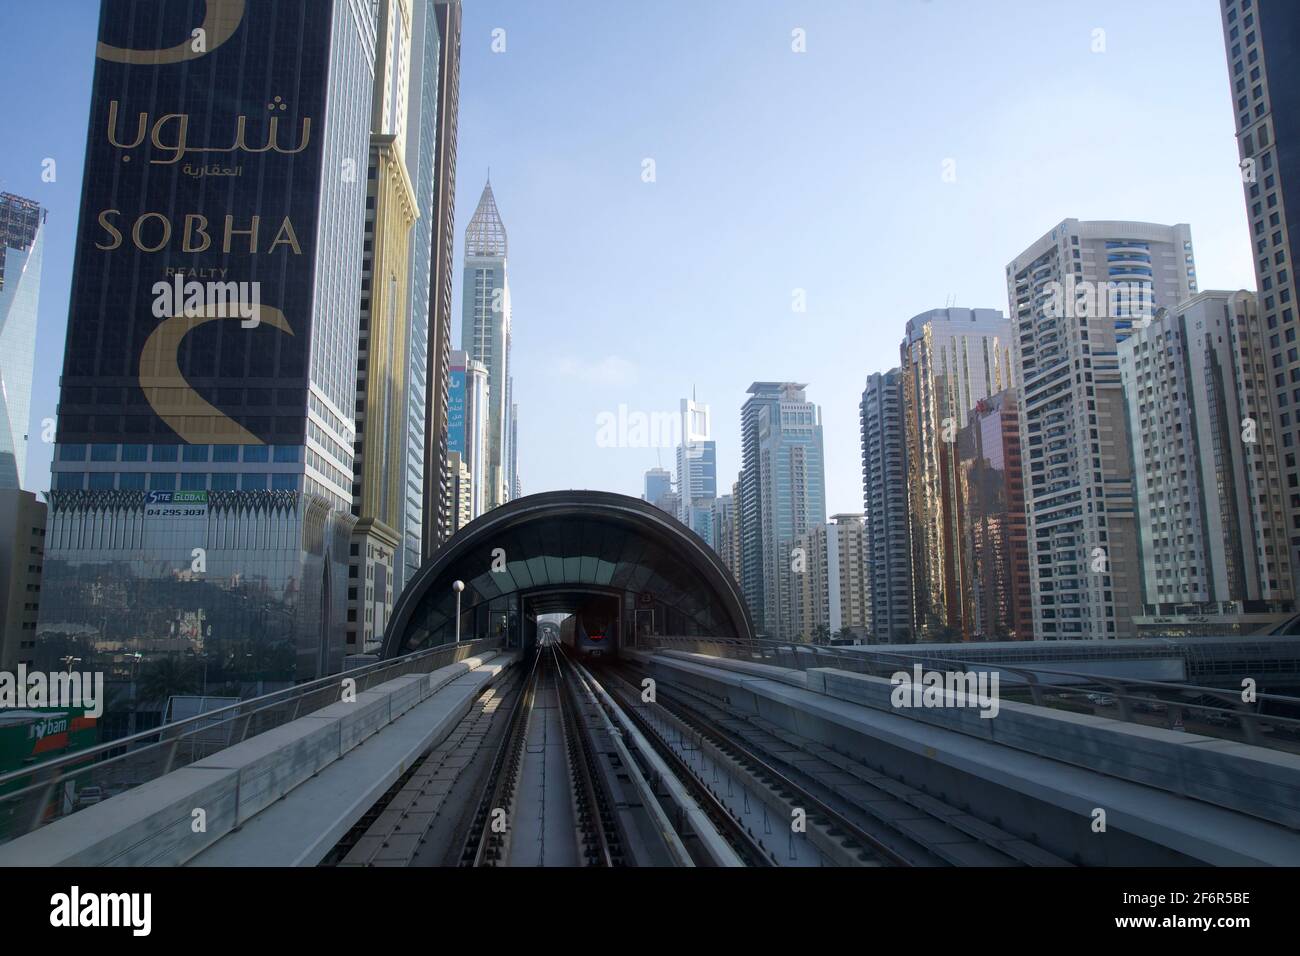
(774, 171)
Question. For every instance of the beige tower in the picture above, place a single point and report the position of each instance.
(383, 339)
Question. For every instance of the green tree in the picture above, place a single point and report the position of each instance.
(167, 677)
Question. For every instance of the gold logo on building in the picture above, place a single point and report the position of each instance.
(220, 21)
(173, 399)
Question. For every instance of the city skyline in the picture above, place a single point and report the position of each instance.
(613, 334)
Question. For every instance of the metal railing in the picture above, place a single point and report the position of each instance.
(1215, 708)
(43, 792)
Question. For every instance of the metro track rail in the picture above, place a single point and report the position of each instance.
(868, 806)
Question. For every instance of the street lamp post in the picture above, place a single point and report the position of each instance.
(458, 586)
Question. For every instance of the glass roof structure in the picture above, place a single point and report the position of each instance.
(547, 552)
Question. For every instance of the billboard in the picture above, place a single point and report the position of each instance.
(190, 317)
(456, 410)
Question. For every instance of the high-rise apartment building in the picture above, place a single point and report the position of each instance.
(436, 515)
(951, 359)
(22, 244)
(203, 471)
(784, 494)
(832, 583)
(380, 476)
(884, 498)
(460, 484)
(485, 335)
(1211, 509)
(1262, 38)
(812, 586)
(849, 614)
(1074, 296)
(994, 552)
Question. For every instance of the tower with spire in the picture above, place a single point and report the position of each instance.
(485, 335)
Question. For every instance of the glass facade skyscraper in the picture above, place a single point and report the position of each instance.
(1262, 40)
(485, 335)
(951, 359)
(22, 244)
(784, 478)
(204, 454)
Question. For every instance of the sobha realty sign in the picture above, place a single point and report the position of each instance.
(195, 259)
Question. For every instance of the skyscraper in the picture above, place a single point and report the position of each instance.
(513, 472)
(1210, 507)
(884, 498)
(467, 431)
(1074, 295)
(658, 483)
(749, 501)
(22, 243)
(951, 359)
(485, 335)
(726, 540)
(1262, 38)
(461, 489)
(436, 516)
(428, 348)
(697, 456)
(994, 553)
(784, 477)
(202, 481)
(380, 468)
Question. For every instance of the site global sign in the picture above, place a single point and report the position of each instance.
(176, 504)
(203, 173)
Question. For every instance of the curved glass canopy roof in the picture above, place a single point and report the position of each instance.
(546, 552)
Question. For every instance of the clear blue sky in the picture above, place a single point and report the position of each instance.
(775, 171)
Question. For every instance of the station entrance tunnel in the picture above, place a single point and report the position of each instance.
(619, 564)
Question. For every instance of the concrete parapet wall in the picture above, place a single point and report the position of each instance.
(1254, 780)
(1169, 798)
(156, 823)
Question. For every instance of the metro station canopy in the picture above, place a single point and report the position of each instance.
(549, 550)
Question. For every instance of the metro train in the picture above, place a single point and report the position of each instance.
(592, 630)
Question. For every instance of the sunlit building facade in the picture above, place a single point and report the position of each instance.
(994, 550)
(22, 245)
(379, 490)
(951, 359)
(1211, 508)
(1074, 295)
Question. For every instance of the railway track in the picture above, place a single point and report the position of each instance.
(564, 764)
(902, 824)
